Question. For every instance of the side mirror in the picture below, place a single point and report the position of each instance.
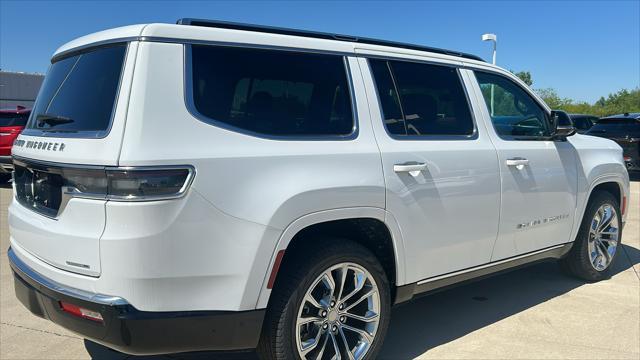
(562, 124)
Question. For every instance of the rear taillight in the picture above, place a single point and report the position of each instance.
(128, 184)
(141, 184)
(81, 312)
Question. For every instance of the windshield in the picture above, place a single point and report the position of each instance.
(79, 92)
(13, 119)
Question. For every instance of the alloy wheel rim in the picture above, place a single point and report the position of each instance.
(603, 237)
(339, 314)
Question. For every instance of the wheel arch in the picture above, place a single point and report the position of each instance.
(612, 183)
(332, 223)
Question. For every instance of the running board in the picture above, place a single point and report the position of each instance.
(440, 282)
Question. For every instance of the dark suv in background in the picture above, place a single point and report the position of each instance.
(625, 130)
(583, 122)
(12, 121)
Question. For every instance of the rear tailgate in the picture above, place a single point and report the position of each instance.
(75, 129)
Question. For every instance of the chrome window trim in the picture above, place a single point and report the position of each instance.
(191, 107)
(24, 269)
(71, 192)
(90, 134)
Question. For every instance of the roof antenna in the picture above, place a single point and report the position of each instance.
(626, 114)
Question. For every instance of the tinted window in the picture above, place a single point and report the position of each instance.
(393, 118)
(630, 126)
(582, 123)
(618, 121)
(514, 112)
(13, 119)
(272, 92)
(421, 99)
(79, 92)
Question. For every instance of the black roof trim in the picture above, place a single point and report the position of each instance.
(319, 35)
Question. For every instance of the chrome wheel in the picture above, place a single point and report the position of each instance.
(603, 237)
(339, 314)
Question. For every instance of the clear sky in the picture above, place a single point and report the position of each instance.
(584, 49)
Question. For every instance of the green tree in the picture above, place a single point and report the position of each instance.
(616, 103)
(620, 102)
(524, 76)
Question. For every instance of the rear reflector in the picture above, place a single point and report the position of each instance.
(627, 158)
(81, 312)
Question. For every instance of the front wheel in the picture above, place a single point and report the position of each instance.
(598, 239)
(333, 304)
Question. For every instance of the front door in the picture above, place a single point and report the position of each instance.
(440, 167)
(539, 177)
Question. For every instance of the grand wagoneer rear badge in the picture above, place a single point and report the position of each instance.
(40, 145)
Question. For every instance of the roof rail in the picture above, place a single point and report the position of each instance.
(319, 35)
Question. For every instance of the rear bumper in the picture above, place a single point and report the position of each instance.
(6, 164)
(132, 331)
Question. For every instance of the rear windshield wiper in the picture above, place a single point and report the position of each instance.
(52, 120)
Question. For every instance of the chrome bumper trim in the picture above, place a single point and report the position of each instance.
(18, 265)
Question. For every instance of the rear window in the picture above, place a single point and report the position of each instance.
(13, 119)
(617, 121)
(79, 92)
(270, 92)
(582, 123)
(617, 126)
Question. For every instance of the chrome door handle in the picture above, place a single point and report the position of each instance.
(518, 162)
(411, 167)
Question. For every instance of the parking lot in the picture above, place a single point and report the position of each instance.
(535, 312)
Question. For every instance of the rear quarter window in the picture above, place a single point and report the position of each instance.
(271, 92)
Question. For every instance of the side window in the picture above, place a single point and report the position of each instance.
(421, 99)
(514, 113)
(392, 113)
(272, 92)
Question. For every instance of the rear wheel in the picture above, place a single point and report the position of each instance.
(333, 304)
(598, 239)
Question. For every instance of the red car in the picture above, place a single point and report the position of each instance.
(12, 121)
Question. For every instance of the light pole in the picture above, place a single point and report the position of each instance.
(494, 39)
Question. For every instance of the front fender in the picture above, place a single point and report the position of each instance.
(600, 161)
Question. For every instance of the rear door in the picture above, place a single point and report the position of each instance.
(440, 168)
(539, 176)
(75, 128)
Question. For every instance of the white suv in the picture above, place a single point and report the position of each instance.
(210, 185)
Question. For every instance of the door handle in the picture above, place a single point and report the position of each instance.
(413, 168)
(518, 162)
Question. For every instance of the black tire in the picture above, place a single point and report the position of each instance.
(278, 338)
(577, 262)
